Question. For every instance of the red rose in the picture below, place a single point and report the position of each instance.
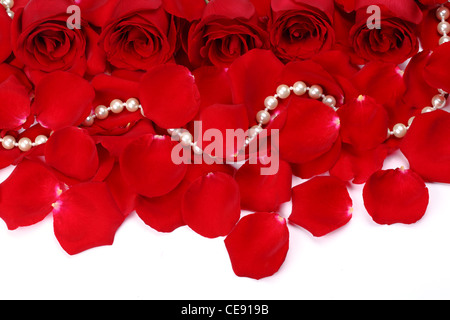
(42, 41)
(301, 29)
(227, 30)
(396, 41)
(140, 34)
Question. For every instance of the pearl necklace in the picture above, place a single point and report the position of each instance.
(439, 101)
(8, 4)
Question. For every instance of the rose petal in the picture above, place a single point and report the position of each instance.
(364, 123)
(169, 95)
(319, 165)
(219, 120)
(426, 146)
(86, 216)
(258, 245)
(213, 84)
(311, 129)
(321, 205)
(15, 106)
(26, 197)
(62, 99)
(437, 69)
(187, 9)
(121, 191)
(211, 205)
(147, 166)
(72, 152)
(264, 192)
(396, 196)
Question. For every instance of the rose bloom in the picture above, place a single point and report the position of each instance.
(227, 30)
(395, 42)
(42, 41)
(300, 31)
(139, 34)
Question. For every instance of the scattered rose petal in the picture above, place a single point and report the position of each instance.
(426, 146)
(211, 205)
(86, 216)
(258, 245)
(264, 192)
(121, 191)
(26, 197)
(62, 99)
(321, 205)
(396, 196)
(311, 129)
(73, 153)
(364, 123)
(147, 166)
(15, 103)
(169, 95)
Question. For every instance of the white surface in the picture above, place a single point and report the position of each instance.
(363, 260)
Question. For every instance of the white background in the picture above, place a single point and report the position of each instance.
(362, 260)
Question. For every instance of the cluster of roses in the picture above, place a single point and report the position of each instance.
(217, 61)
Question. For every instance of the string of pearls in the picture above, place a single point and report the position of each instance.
(24, 144)
(8, 5)
(116, 106)
(439, 101)
(442, 14)
(263, 117)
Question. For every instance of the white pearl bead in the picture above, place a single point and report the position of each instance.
(8, 3)
(8, 142)
(132, 104)
(443, 13)
(101, 112)
(444, 28)
(254, 131)
(41, 139)
(444, 39)
(196, 149)
(400, 130)
(410, 121)
(283, 91)
(10, 13)
(271, 103)
(438, 101)
(263, 117)
(176, 134)
(25, 144)
(300, 88)
(315, 92)
(329, 101)
(89, 121)
(186, 139)
(428, 109)
(116, 106)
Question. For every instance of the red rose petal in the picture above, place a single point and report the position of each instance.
(364, 123)
(187, 9)
(26, 197)
(147, 166)
(86, 216)
(357, 166)
(426, 146)
(258, 245)
(72, 152)
(5, 36)
(213, 84)
(437, 68)
(396, 196)
(121, 191)
(319, 165)
(62, 99)
(321, 205)
(15, 106)
(311, 129)
(221, 119)
(162, 213)
(264, 192)
(169, 95)
(211, 205)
